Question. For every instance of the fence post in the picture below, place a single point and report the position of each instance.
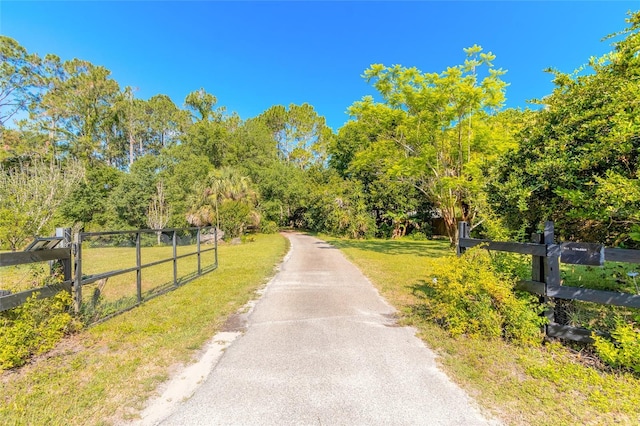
(77, 282)
(198, 249)
(65, 233)
(538, 274)
(139, 267)
(215, 245)
(463, 232)
(175, 257)
(551, 268)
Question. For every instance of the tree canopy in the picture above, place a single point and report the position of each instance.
(430, 149)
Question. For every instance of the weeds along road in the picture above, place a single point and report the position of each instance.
(321, 347)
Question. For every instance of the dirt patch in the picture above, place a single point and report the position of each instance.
(235, 323)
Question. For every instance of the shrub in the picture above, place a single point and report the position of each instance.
(467, 295)
(34, 328)
(418, 236)
(234, 217)
(624, 350)
(269, 227)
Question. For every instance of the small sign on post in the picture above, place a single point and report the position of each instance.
(582, 254)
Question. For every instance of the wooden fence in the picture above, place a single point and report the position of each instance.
(67, 253)
(60, 255)
(545, 272)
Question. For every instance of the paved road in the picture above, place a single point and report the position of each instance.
(321, 347)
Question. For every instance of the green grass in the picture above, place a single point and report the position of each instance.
(104, 374)
(547, 385)
(610, 277)
(101, 298)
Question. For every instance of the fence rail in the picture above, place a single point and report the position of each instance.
(81, 280)
(60, 256)
(545, 274)
(70, 259)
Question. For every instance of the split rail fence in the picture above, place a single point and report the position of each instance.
(546, 281)
(66, 256)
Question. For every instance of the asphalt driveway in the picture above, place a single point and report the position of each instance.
(321, 347)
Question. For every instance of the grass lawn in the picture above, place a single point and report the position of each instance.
(546, 385)
(104, 374)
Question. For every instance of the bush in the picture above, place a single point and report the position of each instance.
(34, 328)
(624, 350)
(269, 227)
(467, 295)
(418, 236)
(234, 217)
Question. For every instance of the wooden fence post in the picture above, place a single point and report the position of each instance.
(463, 232)
(65, 233)
(198, 249)
(538, 274)
(77, 282)
(139, 266)
(215, 246)
(551, 268)
(175, 257)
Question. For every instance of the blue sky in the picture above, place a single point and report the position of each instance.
(252, 55)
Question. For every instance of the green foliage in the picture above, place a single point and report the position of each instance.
(13, 228)
(234, 217)
(283, 189)
(577, 158)
(33, 190)
(268, 227)
(468, 295)
(300, 134)
(623, 350)
(34, 328)
(432, 134)
(20, 78)
(225, 198)
(89, 203)
(338, 207)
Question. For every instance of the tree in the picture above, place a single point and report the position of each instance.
(21, 79)
(352, 155)
(79, 104)
(577, 158)
(32, 193)
(159, 211)
(166, 123)
(89, 201)
(209, 134)
(283, 192)
(336, 206)
(131, 198)
(201, 105)
(427, 133)
(300, 133)
(226, 199)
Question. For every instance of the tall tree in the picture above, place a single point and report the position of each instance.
(159, 211)
(21, 79)
(577, 162)
(300, 133)
(431, 138)
(30, 195)
(166, 122)
(82, 100)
